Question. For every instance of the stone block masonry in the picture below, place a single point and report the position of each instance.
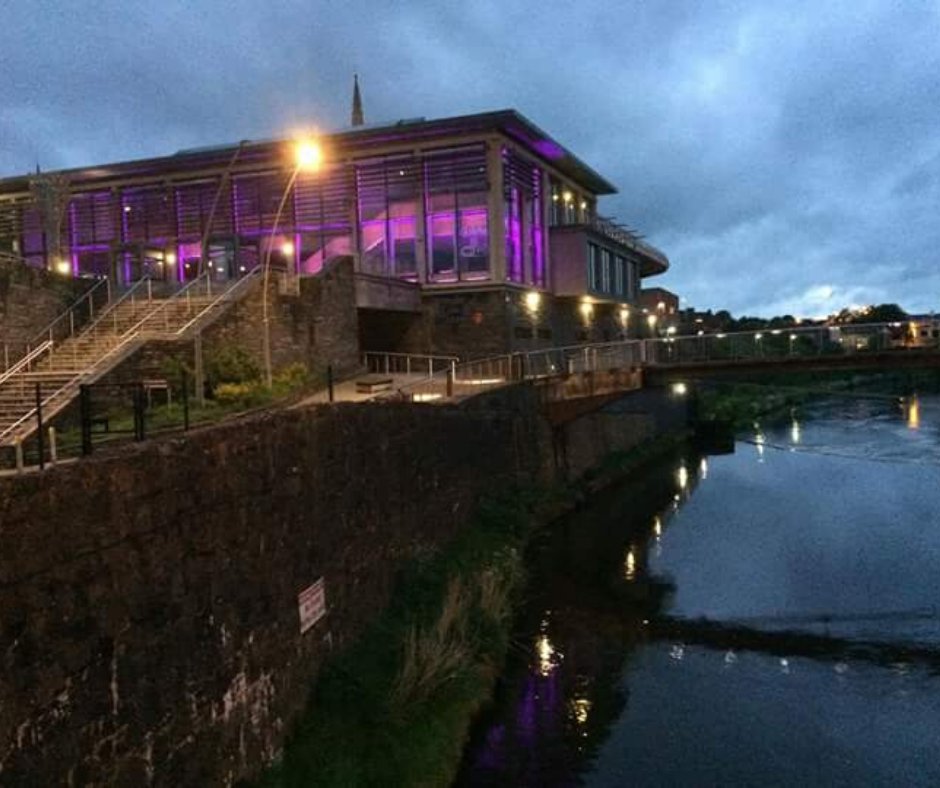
(149, 623)
(29, 300)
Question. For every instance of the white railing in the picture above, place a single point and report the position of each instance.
(406, 363)
(26, 362)
(65, 325)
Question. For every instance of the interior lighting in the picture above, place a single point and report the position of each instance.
(624, 316)
(567, 196)
(671, 330)
(287, 248)
(170, 258)
(63, 267)
(758, 337)
(533, 300)
(679, 389)
(587, 309)
(651, 320)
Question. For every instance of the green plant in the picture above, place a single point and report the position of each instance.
(242, 395)
(231, 364)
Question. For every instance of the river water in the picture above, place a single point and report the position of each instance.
(826, 525)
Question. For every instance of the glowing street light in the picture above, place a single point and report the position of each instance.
(308, 156)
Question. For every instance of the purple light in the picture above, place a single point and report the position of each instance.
(550, 149)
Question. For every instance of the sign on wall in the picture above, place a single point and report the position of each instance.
(311, 602)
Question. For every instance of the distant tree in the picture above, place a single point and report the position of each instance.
(882, 313)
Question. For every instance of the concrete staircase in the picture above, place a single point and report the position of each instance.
(61, 367)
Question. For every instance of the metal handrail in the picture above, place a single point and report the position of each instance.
(223, 297)
(71, 383)
(48, 332)
(25, 361)
(130, 293)
(70, 311)
(174, 299)
(409, 360)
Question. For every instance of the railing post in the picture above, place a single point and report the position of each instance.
(329, 381)
(450, 382)
(53, 450)
(139, 431)
(39, 436)
(18, 451)
(84, 399)
(185, 385)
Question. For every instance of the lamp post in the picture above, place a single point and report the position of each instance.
(307, 157)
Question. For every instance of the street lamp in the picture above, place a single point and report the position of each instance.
(307, 157)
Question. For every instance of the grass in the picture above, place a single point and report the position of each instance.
(395, 708)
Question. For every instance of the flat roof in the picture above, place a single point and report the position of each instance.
(348, 141)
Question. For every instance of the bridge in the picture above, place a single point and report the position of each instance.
(606, 368)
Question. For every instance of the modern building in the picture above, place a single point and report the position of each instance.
(473, 235)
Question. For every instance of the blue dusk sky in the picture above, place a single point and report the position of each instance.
(785, 155)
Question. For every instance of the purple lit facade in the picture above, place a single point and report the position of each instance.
(462, 204)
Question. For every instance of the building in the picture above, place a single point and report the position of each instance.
(471, 235)
(660, 307)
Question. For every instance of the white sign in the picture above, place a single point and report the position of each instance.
(311, 602)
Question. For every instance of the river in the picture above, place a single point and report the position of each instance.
(826, 525)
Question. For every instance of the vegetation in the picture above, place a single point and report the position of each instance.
(395, 708)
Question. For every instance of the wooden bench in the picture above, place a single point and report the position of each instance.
(373, 384)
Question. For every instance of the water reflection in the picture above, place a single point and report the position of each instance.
(624, 710)
(913, 413)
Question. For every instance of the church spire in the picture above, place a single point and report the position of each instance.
(357, 116)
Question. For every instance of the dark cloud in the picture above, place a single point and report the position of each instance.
(784, 155)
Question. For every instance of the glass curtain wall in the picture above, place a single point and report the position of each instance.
(455, 193)
(322, 216)
(388, 193)
(525, 258)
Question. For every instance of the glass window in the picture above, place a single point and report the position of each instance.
(593, 267)
(606, 256)
(456, 214)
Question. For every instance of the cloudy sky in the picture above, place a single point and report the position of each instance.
(786, 156)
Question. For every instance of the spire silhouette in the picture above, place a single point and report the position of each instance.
(357, 116)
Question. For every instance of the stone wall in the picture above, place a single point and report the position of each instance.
(149, 625)
(318, 327)
(30, 299)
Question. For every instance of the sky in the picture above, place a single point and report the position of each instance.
(784, 155)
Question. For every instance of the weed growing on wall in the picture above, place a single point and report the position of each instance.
(395, 709)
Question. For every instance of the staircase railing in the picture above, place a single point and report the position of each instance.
(225, 296)
(130, 296)
(68, 322)
(26, 361)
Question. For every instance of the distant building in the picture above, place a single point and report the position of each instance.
(472, 235)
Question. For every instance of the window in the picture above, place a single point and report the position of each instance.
(594, 267)
(456, 213)
(606, 260)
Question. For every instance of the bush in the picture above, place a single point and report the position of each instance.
(231, 364)
(242, 395)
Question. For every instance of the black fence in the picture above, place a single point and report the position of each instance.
(104, 414)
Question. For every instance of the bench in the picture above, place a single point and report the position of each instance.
(99, 421)
(373, 384)
(156, 384)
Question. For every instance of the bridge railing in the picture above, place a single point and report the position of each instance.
(777, 343)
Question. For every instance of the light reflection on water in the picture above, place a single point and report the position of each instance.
(837, 513)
